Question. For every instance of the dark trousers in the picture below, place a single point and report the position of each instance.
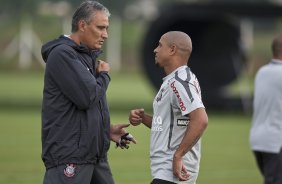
(99, 173)
(159, 181)
(270, 165)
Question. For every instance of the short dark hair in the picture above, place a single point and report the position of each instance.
(277, 46)
(85, 12)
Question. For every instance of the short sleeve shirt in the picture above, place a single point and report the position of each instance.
(179, 95)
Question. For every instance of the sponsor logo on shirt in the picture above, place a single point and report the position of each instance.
(182, 122)
(181, 103)
(157, 124)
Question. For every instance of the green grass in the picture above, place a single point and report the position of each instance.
(226, 156)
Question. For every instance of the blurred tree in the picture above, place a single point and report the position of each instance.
(114, 43)
(116, 7)
(25, 43)
(17, 8)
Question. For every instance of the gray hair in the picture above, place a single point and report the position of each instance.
(86, 11)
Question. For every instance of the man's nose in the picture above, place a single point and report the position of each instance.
(105, 34)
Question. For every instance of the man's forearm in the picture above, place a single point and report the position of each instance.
(193, 133)
(147, 120)
(190, 139)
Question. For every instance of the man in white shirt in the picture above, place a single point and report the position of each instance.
(179, 117)
(266, 130)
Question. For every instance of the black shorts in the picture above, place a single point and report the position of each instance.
(270, 165)
(159, 181)
(99, 173)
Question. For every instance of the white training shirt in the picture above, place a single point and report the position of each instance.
(179, 95)
(266, 131)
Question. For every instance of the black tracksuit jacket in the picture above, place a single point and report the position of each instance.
(75, 115)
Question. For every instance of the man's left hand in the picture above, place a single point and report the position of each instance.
(120, 136)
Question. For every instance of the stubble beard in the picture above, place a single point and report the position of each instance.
(157, 64)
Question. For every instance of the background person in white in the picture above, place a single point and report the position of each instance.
(266, 130)
(179, 117)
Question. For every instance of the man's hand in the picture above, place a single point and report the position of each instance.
(136, 116)
(116, 133)
(124, 140)
(102, 66)
(179, 169)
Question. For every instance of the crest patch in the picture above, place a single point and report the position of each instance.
(69, 171)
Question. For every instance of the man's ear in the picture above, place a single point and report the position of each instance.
(172, 49)
(81, 25)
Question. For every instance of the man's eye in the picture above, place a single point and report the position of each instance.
(102, 27)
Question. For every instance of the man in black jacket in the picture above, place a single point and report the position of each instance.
(76, 129)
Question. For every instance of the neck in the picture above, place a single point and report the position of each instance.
(169, 70)
(75, 38)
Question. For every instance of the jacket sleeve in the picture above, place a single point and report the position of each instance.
(74, 80)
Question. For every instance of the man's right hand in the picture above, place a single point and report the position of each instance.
(103, 66)
(136, 116)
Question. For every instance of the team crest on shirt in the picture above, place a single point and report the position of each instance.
(160, 95)
(69, 171)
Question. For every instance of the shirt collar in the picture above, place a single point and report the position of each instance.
(172, 73)
(276, 61)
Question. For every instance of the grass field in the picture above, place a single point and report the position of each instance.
(226, 156)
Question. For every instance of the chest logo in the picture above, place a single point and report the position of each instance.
(180, 101)
(157, 124)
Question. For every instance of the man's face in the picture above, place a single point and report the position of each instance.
(161, 52)
(96, 32)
